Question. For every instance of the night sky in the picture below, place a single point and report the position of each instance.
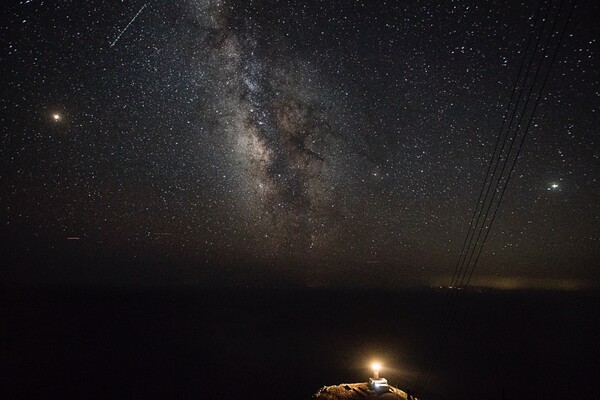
(274, 143)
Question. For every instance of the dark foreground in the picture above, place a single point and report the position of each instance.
(269, 344)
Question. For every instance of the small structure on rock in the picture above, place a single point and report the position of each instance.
(377, 388)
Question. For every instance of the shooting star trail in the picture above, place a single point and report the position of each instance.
(130, 22)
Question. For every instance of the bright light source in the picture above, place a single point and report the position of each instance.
(56, 117)
(376, 367)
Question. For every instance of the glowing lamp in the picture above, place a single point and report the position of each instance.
(376, 367)
(376, 383)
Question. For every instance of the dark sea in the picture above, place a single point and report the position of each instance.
(80, 342)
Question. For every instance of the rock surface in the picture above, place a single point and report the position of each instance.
(356, 391)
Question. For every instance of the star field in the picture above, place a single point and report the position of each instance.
(289, 142)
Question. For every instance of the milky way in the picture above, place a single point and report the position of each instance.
(278, 121)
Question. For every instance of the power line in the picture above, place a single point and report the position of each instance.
(450, 310)
(478, 211)
(525, 134)
(450, 295)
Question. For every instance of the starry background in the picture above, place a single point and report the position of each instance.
(321, 143)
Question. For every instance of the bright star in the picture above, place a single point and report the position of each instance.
(56, 117)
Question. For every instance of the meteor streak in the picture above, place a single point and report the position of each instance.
(130, 22)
